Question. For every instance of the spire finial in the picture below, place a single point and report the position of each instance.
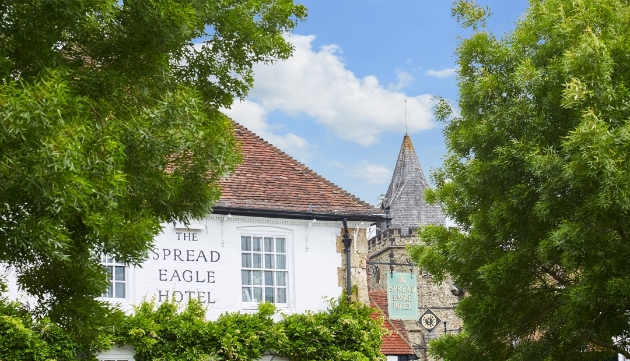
(405, 115)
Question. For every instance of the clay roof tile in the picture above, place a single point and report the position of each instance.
(396, 341)
(269, 179)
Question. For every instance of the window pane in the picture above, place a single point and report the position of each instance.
(109, 293)
(257, 294)
(257, 277)
(246, 277)
(281, 245)
(257, 244)
(246, 243)
(269, 261)
(120, 273)
(281, 261)
(246, 260)
(247, 294)
(268, 244)
(281, 278)
(269, 295)
(110, 272)
(268, 278)
(120, 290)
(282, 295)
(257, 260)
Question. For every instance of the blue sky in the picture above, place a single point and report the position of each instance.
(338, 104)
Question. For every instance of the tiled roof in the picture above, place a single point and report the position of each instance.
(395, 342)
(270, 180)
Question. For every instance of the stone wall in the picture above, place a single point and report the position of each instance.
(439, 298)
(358, 258)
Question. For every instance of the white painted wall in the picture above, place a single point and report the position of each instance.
(207, 263)
(210, 264)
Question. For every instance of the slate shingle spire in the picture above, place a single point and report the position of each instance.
(404, 201)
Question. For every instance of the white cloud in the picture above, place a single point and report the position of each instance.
(254, 117)
(318, 84)
(335, 163)
(441, 73)
(371, 173)
(404, 80)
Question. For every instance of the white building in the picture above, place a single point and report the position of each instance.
(275, 235)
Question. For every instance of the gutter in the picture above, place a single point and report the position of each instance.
(300, 215)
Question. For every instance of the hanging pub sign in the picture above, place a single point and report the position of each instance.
(402, 296)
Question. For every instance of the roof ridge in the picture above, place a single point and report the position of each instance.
(308, 169)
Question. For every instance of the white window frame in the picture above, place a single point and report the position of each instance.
(117, 353)
(264, 232)
(108, 261)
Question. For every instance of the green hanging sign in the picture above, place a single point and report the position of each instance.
(402, 296)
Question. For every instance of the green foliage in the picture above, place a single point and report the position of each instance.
(23, 337)
(537, 177)
(345, 331)
(109, 126)
(168, 331)
(470, 14)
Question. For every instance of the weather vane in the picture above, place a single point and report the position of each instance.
(405, 115)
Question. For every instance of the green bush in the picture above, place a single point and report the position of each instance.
(345, 331)
(169, 332)
(24, 337)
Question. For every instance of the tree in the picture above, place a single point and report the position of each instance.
(537, 178)
(110, 127)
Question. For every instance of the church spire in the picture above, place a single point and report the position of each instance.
(404, 200)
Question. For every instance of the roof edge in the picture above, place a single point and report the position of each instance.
(253, 212)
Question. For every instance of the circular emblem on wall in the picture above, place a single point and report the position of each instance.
(429, 320)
